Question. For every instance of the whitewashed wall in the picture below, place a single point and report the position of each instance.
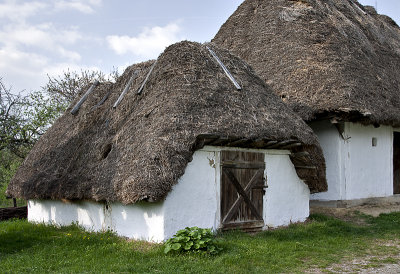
(140, 221)
(332, 147)
(355, 168)
(287, 197)
(369, 171)
(194, 201)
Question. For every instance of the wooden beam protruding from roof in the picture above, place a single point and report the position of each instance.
(121, 96)
(147, 78)
(84, 97)
(238, 87)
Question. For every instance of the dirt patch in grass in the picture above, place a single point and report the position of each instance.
(355, 214)
(142, 246)
(386, 259)
(383, 255)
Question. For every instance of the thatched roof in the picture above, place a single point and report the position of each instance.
(323, 57)
(139, 150)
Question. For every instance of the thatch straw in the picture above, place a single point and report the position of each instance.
(139, 150)
(323, 57)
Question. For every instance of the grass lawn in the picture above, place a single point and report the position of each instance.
(322, 241)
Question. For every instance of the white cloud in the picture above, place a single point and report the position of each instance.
(21, 69)
(148, 44)
(22, 34)
(40, 37)
(28, 71)
(58, 68)
(16, 11)
(28, 51)
(68, 54)
(87, 6)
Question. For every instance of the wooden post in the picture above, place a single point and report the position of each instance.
(305, 167)
(238, 87)
(15, 202)
(84, 97)
(147, 78)
(133, 77)
(102, 100)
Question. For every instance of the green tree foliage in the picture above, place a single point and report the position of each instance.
(24, 117)
(9, 163)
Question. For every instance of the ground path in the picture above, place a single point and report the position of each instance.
(388, 263)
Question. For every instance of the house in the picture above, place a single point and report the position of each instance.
(337, 65)
(194, 138)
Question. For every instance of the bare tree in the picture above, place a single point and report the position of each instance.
(65, 87)
(13, 135)
(24, 118)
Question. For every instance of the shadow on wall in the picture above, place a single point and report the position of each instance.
(143, 220)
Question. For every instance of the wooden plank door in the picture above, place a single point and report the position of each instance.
(242, 190)
(396, 163)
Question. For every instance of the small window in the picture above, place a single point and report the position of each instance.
(374, 141)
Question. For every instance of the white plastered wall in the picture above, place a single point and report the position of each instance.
(287, 197)
(332, 147)
(369, 169)
(355, 168)
(139, 221)
(194, 201)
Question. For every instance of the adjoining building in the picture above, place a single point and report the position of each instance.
(337, 65)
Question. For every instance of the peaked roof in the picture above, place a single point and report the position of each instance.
(322, 57)
(139, 149)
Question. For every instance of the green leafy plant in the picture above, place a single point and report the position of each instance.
(193, 239)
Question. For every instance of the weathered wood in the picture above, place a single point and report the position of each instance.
(238, 142)
(300, 154)
(121, 96)
(84, 97)
(147, 78)
(259, 143)
(229, 194)
(282, 143)
(238, 87)
(240, 199)
(219, 141)
(13, 212)
(102, 100)
(305, 167)
(207, 136)
(270, 143)
(291, 146)
(362, 11)
(240, 190)
(251, 226)
(244, 165)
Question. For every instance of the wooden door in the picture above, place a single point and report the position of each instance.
(242, 190)
(396, 163)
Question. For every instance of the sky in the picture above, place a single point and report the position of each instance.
(47, 37)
